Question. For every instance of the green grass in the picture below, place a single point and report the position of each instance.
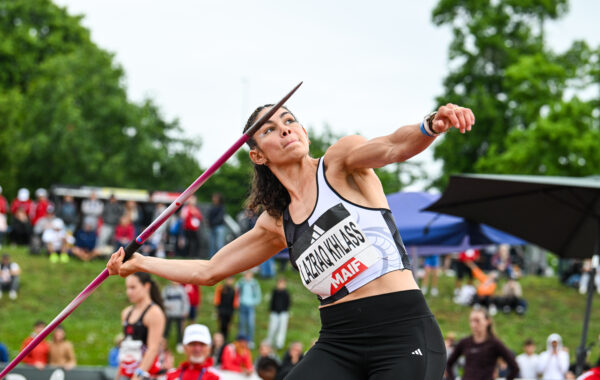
(47, 288)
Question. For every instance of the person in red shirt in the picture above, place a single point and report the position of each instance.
(38, 357)
(191, 224)
(124, 232)
(195, 297)
(592, 374)
(237, 356)
(462, 269)
(196, 341)
(40, 208)
(22, 202)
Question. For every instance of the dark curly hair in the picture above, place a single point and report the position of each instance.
(267, 192)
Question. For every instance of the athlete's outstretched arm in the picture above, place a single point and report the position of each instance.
(404, 143)
(245, 252)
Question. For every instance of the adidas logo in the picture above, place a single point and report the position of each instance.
(317, 232)
(417, 352)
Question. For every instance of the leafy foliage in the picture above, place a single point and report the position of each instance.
(522, 93)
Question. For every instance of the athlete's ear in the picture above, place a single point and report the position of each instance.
(257, 156)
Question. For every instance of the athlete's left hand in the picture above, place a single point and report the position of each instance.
(451, 115)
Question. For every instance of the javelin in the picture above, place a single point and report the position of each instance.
(133, 246)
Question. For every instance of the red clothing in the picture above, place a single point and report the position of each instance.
(193, 293)
(469, 255)
(124, 232)
(191, 217)
(40, 210)
(3, 205)
(38, 355)
(592, 374)
(27, 206)
(192, 371)
(233, 361)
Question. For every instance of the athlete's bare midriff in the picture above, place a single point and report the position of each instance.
(395, 281)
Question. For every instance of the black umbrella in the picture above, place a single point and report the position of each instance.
(561, 214)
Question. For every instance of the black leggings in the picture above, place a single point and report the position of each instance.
(390, 336)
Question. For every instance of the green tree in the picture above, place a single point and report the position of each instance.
(64, 113)
(517, 87)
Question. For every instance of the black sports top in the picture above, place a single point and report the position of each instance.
(136, 330)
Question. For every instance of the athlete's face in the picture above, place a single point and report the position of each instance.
(478, 322)
(280, 139)
(136, 291)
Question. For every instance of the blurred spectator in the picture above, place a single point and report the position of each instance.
(528, 361)
(176, 244)
(111, 215)
(265, 350)
(586, 275)
(465, 295)
(55, 241)
(237, 357)
(22, 202)
(462, 270)
(278, 318)
(267, 268)
(44, 223)
(4, 357)
(227, 301)
(134, 213)
(177, 307)
(61, 352)
(20, 228)
(85, 243)
(250, 296)
(113, 354)
(198, 364)
(91, 209)
(9, 277)
(124, 232)
(502, 261)
(194, 297)
(68, 213)
(192, 217)
(159, 238)
(216, 221)
(38, 357)
(481, 351)
(148, 211)
(511, 298)
(218, 344)
(291, 357)
(40, 206)
(246, 219)
(268, 369)
(432, 266)
(485, 289)
(554, 362)
(450, 343)
(3, 219)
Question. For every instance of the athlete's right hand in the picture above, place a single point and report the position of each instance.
(116, 265)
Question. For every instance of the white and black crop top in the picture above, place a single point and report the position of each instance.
(342, 246)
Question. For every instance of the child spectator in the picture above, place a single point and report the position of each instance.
(265, 350)
(194, 297)
(278, 319)
(250, 295)
(9, 277)
(462, 269)
(292, 356)
(38, 357)
(20, 227)
(528, 361)
(177, 307)
(22, 202)
(55, 240)
(41, 205)
(227, 301)
(124, 232)
(512, 296)
(237, 357)
(68, 213)
(61, 353)
(485, 289)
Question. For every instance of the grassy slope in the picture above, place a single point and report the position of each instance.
(46, 289)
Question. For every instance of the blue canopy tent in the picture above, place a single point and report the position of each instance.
(428, 233)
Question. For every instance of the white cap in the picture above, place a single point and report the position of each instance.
(23, 194)
(196, 333)
(41, 192)
(58, 224)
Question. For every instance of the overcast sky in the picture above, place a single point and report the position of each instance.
(367, 67)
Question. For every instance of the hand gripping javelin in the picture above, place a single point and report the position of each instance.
(133, 246)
